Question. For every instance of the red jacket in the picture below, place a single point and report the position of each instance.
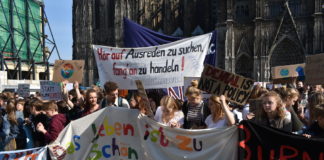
(57, 124)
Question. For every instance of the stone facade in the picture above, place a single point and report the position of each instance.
(253, 35)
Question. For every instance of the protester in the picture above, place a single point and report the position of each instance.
(289, 97)
(299, 84)
(2, 104)
(315, 99)
(38, 115)
(63, 107)
(254, 102)
(133, 104)
(134, 100)
(302, 102)
(220, 116)
(194, 109)
(28, 127)
(169, 113)
(91, 104)
(273, 113)
(57, 123)
(99, 92)
(10, 130)
(111, 96)
(316, 129)
(152, 104)
(21, 138)
(317, 88)
(144, 107)
(74, 97)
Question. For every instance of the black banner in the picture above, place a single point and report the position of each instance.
(262, 143)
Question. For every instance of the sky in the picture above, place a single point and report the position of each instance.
(59, 14)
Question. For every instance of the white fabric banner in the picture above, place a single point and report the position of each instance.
(31, 154)
(157, 66)
(119, 133)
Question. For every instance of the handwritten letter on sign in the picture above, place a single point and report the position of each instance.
(216, 81)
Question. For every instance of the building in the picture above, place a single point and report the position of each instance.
(24, 46)
(253, 35)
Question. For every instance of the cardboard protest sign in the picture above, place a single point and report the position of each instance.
(160, 66)
(71, 70)
(288, 71)
(142, 93)
(315, 69)
(50, 90)
(216, 81)
(23, 90)
(119, 133)
(291, 80)
(140, 89)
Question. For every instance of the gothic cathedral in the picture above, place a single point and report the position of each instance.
(252, 35)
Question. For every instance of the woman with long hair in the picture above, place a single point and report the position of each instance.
(315, 99)
(194, 109)
(169, 113)
(273, 113)
(91, 102)
(10, 128)
(253, 102)
(289, 97)
(220, 116)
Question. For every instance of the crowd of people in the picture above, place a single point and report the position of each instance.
(32, 122)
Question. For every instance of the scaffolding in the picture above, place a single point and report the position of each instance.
(23, 39)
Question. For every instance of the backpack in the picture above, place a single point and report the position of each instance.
(104, 102)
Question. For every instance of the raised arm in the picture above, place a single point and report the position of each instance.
(65, 94)
(77, 90)
(228, 114)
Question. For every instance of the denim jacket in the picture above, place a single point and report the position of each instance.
(8, 132)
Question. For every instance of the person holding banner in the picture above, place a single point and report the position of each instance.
(273, 113)
(111, 97)
(56, 125)
(314, 100)
(220, 116)
(194, 109)
(37, 116)
(169, 113)
(254, 102)
(316, 129)
(289, 97)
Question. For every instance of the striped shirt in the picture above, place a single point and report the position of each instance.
(194, 115)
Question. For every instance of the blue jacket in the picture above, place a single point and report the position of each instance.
(7, 132)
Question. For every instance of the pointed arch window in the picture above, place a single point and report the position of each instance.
(285, 53)
(244, 65)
